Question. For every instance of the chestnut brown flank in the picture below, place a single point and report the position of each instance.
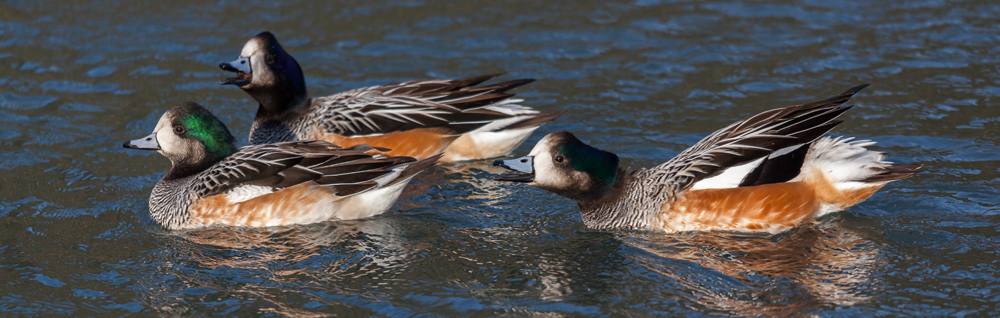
(748, 208)
(769, 207)
(280, 207)
(418, 143)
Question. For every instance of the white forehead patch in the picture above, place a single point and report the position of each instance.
(166, 138)
(163, 123)
(252, 46)
(546, 174)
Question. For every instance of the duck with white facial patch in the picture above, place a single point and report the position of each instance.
(767, 173)
(211, 182)
(417, 118)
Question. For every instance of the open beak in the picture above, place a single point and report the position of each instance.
(241, 67)
(145, 143)
(524, 167)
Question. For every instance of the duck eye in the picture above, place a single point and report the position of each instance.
(559, 158)
(269, 59)
(179, 130)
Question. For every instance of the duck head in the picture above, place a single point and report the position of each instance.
(268, 73)
(563, 164)
(191, 137)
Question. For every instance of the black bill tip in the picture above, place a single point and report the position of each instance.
(515, 177)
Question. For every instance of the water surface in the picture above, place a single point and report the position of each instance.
(644, 79)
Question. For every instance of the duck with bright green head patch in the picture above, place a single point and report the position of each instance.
(767, 173)
(211, 182)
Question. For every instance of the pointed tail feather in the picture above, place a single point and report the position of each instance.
(895, 172)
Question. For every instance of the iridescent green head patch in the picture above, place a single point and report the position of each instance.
(200, 124)
(601, 164)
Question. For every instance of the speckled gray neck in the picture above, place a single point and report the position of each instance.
(290, 128)
(273, 131)
(170, 200)
(633, 204)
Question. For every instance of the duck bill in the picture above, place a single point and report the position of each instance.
(524, 167)
(241, 66)
(144, 143)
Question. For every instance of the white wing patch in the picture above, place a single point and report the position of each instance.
(247, 192)
(730, 178)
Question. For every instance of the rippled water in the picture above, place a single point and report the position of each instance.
(644, 79)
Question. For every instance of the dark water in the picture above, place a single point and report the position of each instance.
(643, 79)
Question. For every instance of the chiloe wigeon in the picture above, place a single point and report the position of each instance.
(211, 182)
(767, 173)
(417, 118)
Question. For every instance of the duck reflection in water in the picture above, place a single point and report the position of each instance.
(262, 247)
(267, 262)
(817, 265)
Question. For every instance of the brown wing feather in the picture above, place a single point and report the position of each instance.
(751, 139)
(287, 164)
(456, 105)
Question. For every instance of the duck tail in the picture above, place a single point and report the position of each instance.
(844, 173)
